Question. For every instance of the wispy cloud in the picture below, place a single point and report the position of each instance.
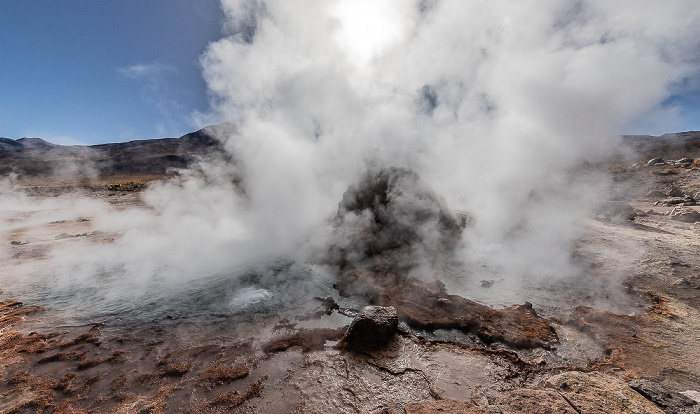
(156, 80)
(146, 70)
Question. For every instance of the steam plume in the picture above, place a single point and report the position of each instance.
(498, 105)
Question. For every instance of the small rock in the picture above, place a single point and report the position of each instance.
(540, 361)
(656, 161)
(692, 394)
(372, 328)
(686, 161)
(668, 400)
(675, 192)
(673, 201)
(685, 214)
(656, 194)
(616, 211)
(15, 243)
(487, 283)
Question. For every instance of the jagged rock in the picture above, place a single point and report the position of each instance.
(428, 306)
(668, 400)
(686, 161)
(446, 406)
(392, 210)
(656, 161)
(674, 201)
(685, 214)
(596, 393)
(616, 211)
(372, 328)
(675, 192)
(534, 402)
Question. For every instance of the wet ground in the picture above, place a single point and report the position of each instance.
(635, 314)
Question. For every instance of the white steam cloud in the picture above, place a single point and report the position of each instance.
(497, 104)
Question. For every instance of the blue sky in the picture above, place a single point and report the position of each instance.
(87, 71)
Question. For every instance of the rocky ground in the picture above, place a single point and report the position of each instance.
(448, 354)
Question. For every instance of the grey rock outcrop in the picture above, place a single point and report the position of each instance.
(685, 214)
(616, 211)
(668, 400)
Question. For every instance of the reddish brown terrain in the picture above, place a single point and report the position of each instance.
(631, 347)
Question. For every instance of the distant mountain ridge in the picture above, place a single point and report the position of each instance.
(34, 157)
(10, 144)
(668, 146)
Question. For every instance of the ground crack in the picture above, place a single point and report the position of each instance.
(405, 370)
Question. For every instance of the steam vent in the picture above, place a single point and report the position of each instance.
(405, 207)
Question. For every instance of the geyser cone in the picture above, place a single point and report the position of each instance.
(392, 212)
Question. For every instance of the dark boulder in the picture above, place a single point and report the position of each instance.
(372, 328)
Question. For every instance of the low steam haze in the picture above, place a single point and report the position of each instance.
(499, 106)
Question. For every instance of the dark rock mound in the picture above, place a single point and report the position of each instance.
(392, 211)
(427, 306)
(374, 327)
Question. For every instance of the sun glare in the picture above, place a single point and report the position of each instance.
(367, 27)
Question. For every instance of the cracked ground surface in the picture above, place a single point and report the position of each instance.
(212, 365)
